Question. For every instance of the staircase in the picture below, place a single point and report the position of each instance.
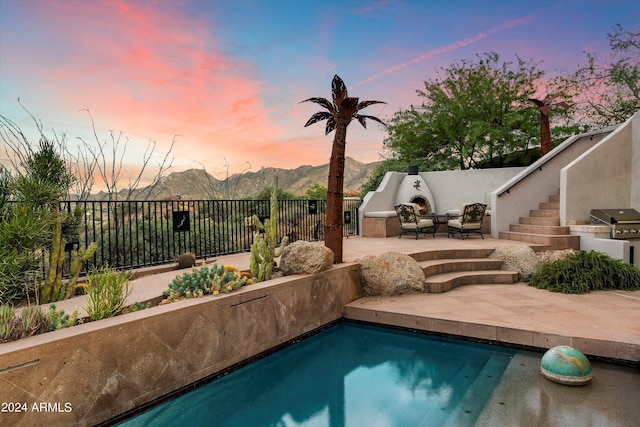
(447, 269)
(542, 229)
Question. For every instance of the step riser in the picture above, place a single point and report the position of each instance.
(545, 213)
(527, 220)
(452, 254)
(555, 198)
(466, 265)
(550, 205)
(558, 242)
(498, 278)
(540, 229)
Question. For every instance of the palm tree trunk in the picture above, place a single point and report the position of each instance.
(545, 132)
(334, 221)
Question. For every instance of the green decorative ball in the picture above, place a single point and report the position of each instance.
(566, 365)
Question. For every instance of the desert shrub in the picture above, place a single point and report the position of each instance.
(107, 292)
(584, 271)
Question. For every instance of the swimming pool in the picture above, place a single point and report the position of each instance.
(348, 375)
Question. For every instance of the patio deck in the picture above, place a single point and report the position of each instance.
(601, 323)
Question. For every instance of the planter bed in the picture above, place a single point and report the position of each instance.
(93, 372)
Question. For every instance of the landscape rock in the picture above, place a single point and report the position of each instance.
(302, 257)
(391, 273)
(520, 258)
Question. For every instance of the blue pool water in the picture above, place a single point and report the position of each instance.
(348, 375)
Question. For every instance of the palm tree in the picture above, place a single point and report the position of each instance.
(339, 114)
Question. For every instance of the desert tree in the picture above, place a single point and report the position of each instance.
(607, 91)
(339, 113)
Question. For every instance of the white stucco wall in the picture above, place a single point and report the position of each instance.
(449, 188)
(606, 176)
(537, 182)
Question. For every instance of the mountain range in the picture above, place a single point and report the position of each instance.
(195, 184)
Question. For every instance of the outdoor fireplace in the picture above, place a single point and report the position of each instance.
(413, 189)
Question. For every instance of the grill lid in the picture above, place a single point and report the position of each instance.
(616, 216)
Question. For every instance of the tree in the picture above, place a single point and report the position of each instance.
(609, 93)
(474, 113)
(339, 114)
(316, 192)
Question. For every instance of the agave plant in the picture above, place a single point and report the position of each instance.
(338, 115)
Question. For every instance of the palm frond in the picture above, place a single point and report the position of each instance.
(319, 116)
(365, 104)
(323, 102)
(362, 118)
(338, 90)
(331, 125)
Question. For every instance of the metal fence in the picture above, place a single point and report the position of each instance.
(133, 234)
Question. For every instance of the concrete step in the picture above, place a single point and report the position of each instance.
(446, 281)
(545, 213)
(555, 242)
(554, 198)
(540, 229)
(439, 266)
(549, 205)
(540, 220)
(452, 254)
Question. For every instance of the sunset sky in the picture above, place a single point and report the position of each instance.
(227, 76)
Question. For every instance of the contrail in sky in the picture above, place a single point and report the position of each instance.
(452, 46)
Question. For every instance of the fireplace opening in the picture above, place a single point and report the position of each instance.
(423, 204)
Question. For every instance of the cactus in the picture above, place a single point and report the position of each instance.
(205, 280)
(78, 256)
(53, 289)
(263, 249)
(186, 260)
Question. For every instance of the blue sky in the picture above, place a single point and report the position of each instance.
(227, 76)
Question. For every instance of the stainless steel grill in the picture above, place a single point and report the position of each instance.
(624, 223)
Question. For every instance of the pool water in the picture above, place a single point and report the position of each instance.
(347, 375)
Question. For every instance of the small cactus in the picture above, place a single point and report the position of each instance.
(205, 280)
(263, 249)
(186, 260)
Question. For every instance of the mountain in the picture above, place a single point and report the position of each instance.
(198, 184)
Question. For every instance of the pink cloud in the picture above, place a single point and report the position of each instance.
(150, 69)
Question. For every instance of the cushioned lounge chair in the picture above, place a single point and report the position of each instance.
(469, 220)
(412, 223)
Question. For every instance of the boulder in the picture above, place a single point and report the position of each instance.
(302, 257)
(391, 273)
(520, 258)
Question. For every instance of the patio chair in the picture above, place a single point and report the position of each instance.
(412, 223)
(469, 220)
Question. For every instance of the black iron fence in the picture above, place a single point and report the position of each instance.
(133, 234)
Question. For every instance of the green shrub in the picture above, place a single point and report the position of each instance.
(584, 271)
(107, 292)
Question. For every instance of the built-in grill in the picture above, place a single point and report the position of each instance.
(624, 223)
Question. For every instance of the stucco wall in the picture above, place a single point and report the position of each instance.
(449, 188)
(537, 182)
(102, 369)
(606, 176)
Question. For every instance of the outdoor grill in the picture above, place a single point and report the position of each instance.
(624, 223)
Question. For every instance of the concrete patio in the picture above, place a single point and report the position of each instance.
(603, 323)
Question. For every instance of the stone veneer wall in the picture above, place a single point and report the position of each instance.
(90, 373)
